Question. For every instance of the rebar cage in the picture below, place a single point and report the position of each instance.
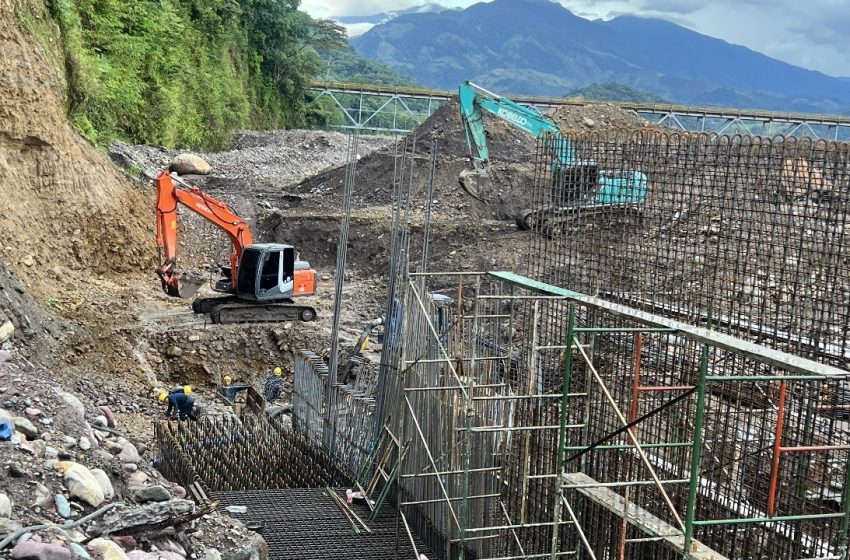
(754, 230)
(513, 444)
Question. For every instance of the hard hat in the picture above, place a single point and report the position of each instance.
(278, 371)
(162, 397)
(187, 390)
(228, 378)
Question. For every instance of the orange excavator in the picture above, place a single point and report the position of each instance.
(262, 279)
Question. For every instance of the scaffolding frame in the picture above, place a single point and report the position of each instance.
(497, 453)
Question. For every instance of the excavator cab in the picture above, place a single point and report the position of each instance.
(271, 272)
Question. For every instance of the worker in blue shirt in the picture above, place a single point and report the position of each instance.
(182, 403)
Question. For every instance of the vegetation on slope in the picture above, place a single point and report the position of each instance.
(184, 72)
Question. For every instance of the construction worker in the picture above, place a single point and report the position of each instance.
(185, 389)
(180, 402)
(273, 385)
(227, 390)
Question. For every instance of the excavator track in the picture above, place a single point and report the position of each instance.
(228, 313)
(206, 305)
(551, 220)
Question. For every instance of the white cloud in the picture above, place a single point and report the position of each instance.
(355, 29)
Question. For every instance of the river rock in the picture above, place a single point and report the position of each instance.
(108, 549)
(212, 554)
(33, 550)
(126, 542)
(73, 402)
(155, 493)
(129, 454)
(107, 413)
(81, 483)
(79, 551)
(6, 330)
(105, 483)
(84, 443)
(42, 495)
(26, 427)
(63, 507)
(189, 164)
(5, 356)
(5, 507)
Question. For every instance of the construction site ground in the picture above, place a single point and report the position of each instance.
(89, 318)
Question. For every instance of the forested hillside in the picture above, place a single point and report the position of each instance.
(181, 72)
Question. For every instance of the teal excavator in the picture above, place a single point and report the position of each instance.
(577, 184)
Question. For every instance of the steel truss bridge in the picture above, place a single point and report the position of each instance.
(396, 109)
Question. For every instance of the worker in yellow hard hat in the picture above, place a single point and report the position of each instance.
(227, 390)
(185, 389)
(273, 385)
(180, 402)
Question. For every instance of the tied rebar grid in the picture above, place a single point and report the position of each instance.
(228, 453)
(352, 421)
(511, 413)
(305, 524)
(753, 230)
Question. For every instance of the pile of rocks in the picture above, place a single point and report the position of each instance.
(74, 487)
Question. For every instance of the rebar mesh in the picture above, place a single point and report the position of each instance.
(228, 453)
(751, 229)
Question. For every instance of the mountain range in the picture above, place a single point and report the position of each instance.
(538, 47)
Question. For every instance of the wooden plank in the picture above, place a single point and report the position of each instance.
(639, 517)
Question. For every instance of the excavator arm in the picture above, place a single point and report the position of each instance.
(473, 100)
(174, 281)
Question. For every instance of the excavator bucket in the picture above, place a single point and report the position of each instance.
(474, 182)
(182, 284)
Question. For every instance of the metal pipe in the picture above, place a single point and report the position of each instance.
(777, 441)
(696, 448)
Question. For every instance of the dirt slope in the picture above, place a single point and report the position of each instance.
(67, 211)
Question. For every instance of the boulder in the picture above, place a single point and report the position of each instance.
(81, 483)
(189, 164)
(105, 483)
(5, 506)
(155, 493)
(122, 517)
(32, 550)
(26, 427)
(107, 549)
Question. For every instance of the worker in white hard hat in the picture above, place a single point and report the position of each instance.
(273, 385)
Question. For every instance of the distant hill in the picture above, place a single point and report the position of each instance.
(347, 65)
(615, 91)
(540, 47)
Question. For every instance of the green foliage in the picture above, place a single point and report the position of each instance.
(615, 91)
(346, 65)
(187, 72)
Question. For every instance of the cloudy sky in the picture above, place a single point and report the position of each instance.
(812, 33)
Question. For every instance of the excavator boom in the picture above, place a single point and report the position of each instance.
(176, 282)
(473, 100)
